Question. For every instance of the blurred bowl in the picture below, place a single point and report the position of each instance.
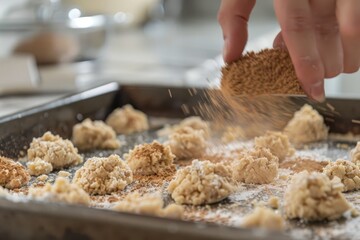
(55, 40)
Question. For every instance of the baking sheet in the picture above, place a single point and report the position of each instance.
(62, 221)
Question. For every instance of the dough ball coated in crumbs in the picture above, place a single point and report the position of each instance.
(201, 183)
(89, 135)
(150, 204)
(355, 154)
(55, 150)
(306, 126)
(278, 144)
(257, 166)
(61, 191)
(348, 172)
(195, 123)
(39, 167)
(187, 143)
(151, 159)
(314, 197)
(264, 218)
(12, 174)
(127, 120)
(103, 175)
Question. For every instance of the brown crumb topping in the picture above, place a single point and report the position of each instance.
(12, 174)
(151, 158)
(269, 71)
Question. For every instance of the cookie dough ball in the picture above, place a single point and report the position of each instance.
(127, 120)
(151, 159)
(232, 134)
(39, 167)
(61, 191)
(348, 172)
(257, 166)
(150, 204)
(314, 197)
(264, 218)
(103, 175)
(187, 143)
(89, 135)
(355, 154)
(12, 174)
(201, 183)
(60, 153)
(278, 144)
(195, 123)
(306, 126)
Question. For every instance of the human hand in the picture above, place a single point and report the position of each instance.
(322, 36)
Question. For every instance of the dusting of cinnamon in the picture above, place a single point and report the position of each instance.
(254, 114)
(247, 89)
(304, 164)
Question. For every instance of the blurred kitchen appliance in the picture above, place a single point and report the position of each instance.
(53, 32)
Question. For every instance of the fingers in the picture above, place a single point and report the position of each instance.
(327, 36)
(295, 18)
(233, 17)
(348, 13)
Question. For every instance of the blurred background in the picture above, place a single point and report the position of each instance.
(52, 47)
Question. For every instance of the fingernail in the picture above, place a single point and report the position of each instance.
(317, 91)
(280, 45)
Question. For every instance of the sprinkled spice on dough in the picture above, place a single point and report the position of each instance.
(151, 158)
(12, 174)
